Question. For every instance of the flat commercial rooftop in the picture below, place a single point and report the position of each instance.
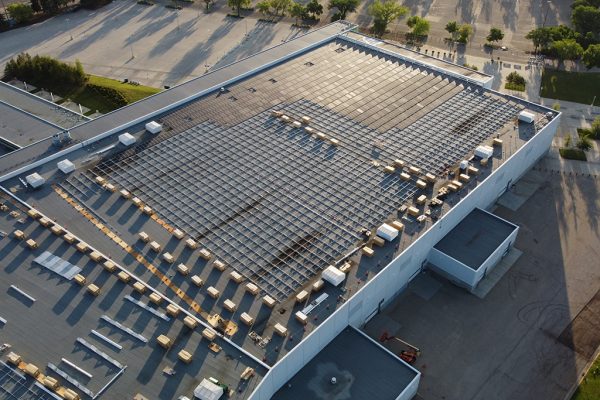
(475, 238)
(21, 128)
(363, 370)
(274, 201)
(278, 202)
(40, 107)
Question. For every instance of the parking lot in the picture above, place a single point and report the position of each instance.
(533, 334)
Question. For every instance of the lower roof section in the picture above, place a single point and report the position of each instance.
(22, 129)
(475, 238)
(362, 370)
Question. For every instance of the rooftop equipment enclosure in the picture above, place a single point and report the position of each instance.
(66, 166)
(153, 127)
(35, 180)
(333, 275)
(127, 139)
(387, 232)
(526, 116)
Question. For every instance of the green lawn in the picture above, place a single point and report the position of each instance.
(590, 386)
(93, 101)
(579, 87)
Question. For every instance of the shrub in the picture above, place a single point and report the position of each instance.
(584, 143)
(21, 13)
(112, 96)
(572, 154)
(514, 81)
(46, 72)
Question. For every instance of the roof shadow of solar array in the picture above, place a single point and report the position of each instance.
(278, 203)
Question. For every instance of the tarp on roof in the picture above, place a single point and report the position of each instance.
(207, 390)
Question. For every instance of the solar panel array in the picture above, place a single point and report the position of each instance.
(276, 202)
(15, 386)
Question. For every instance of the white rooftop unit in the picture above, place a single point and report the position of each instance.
(387, 232)
(127, 139)
(526, 116)
(153, 127)
(333, 275)
(484, 152)
(464, 164)
(66, 166)
(35, 180)
(207, 390)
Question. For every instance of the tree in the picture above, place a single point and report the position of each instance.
(419, 26)
(46, 72)
(540, 37)
(586, 19)
(343, 7)
(314, 8)
(264, 7)
(495, 35)
(238, 4)
(21, 13)
(385, 12)
(297, 11)
(452, 28)
(567, 49)
(465, 31)
(591, 56)
(280, 6)
(49, 6)
(36, 6)
(207, 3)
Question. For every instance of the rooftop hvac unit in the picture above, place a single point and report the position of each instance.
(387, 232)
(35, 180)
(526, 116)
(127, 139)
(333, 275)
(153, 127)
(65, 166)
(484, 152)
(464, 164)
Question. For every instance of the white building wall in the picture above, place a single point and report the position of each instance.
(393, 278)
(468, 277)
(495, 257)
(411, 390)
(453, 267)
